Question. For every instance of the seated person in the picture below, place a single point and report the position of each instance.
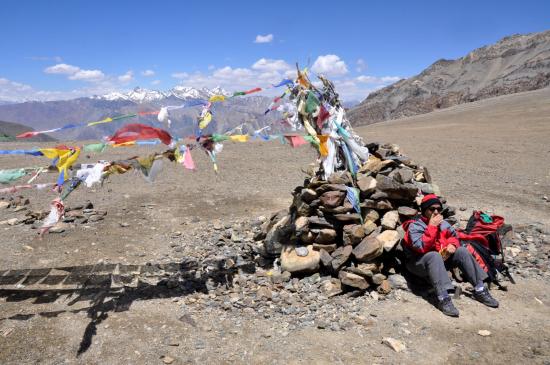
(432, 246)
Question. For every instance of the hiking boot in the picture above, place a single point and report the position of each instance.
(447, 307)
(486, 298)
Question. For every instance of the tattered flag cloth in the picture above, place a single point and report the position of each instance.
(91, 174)
(8, 176)
(295, 141)
(57, 211)
(352, 194)
(63, 158)
(17, 188)
(205, 119)
(95, 147)
(21, 152)
(134, 132)
(70, 126)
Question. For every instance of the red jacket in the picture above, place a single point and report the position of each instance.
(420, 237)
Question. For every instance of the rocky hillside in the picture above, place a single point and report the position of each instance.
(8, 131)
(514, 64)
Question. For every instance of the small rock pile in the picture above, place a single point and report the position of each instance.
(79, 214)
(322, 232)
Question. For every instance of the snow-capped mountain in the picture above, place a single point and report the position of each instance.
(51, 114)
(140, 95)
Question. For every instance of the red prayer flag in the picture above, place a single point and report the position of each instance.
(295, 141)
(27, 134)
(135, 132)
(323, 115)
(253, 90)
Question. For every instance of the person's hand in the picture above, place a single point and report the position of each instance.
(436, 220)
(451, 249)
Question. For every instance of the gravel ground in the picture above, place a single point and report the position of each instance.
(490, 155)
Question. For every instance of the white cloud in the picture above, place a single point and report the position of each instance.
(155, 82)
(88, 75)
(75, 72)
(17, 92)
(180, 75)
(377, 80)
(264, 64)
(232, 73)
(268, 38)
(330, 65)
(148, 73)
(62, 68)
(361, 65)
(127, 77)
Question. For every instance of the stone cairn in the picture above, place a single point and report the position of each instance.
(345, 220)
(321, 232)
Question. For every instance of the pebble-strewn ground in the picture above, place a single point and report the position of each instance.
(217, 311)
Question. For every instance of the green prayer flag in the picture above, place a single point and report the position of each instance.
(95, 147)
(7, 176)
(311, 103)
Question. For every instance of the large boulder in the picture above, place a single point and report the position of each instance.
(369, 249)
(294, 263)
(389, 239)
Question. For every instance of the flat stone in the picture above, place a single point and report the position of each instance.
(369, 227)
(397, 281)
(366, 184)
(389, 239)
(4, 205)
(384, 205)
(369, 249)
(353, 234)
(377, 279)
(394, 344)
(308, 195)
(341, 177)
(390, 219)
(340, 256)
(319, 222)
(332, 199)
(278, 235)
(407, 212)
(348, 218)
(326, 236)
(293, 263)
(353, 280)
(394, 189)
(326, 259)
(329, 248)
(331, 287)
(484, 333)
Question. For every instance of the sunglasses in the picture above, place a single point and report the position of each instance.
(433, 209)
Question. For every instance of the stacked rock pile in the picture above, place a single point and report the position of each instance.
(322, 232)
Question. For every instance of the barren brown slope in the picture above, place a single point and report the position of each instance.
(514, 64)
(492, 154)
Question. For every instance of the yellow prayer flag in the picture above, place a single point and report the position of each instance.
(239, 138)
(205, 120)
(323, 147)
(106, 120)
(215, 98)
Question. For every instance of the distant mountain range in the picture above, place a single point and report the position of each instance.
(514, 64)
(227, 115)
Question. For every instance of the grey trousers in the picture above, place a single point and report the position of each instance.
(432, 267)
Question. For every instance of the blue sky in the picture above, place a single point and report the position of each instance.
(65, 49)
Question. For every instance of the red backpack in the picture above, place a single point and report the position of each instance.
(483, 238)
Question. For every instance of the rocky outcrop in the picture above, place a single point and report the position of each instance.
(514, 64)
